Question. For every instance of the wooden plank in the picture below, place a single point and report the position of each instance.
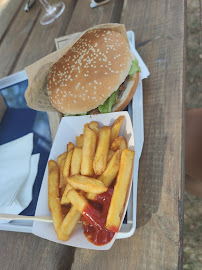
(85, 17)
(16, 38)
(8, 14)
(157, 242)
(41, 40)
(20, 251)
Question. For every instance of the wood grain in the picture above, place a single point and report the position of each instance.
(41, 40)
(16, 37)
(84, 17)
(157, 242)
(8, 14)
(160, 32)
(20, 251)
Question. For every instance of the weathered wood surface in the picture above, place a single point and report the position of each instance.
(160, 38)
(157, 242)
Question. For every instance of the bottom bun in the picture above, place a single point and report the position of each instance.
(127, 94)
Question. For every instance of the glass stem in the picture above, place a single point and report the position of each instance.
(47, 6)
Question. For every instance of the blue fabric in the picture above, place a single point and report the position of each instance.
(20, 120)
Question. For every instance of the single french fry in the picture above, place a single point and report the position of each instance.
(123, 144)
(79, 141)
(53, 194)
(120, 191)
(112, 169)
(118, 143)
(65, 200)
(62, 178)
(60, 161)
(110, 154)
(76, 161)
(53, 180)
(77, 200)
(69, 223)
(88, 151)
(56, 212)
(91, 196)
(116, 128)
(60, 158)
(70, 146)
(67, 165)
(100, 159)
(86, 184)
(94, 126)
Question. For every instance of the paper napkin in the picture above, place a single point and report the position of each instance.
(18, 169)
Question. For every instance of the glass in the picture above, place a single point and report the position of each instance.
(52, 11)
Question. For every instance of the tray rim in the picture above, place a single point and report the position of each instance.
(27, 226)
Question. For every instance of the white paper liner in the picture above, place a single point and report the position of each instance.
(69, 128)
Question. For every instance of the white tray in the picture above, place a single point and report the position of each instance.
(135, 109)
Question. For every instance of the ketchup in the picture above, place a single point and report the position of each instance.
(94, 219)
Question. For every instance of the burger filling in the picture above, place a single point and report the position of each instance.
(106, 107)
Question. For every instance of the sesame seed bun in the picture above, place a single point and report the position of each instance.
(89, 72)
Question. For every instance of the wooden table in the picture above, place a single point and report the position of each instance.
(159, 27)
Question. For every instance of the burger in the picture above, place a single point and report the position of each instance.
(98, 74)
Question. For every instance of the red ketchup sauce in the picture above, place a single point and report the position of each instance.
(94, 219)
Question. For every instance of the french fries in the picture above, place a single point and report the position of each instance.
(53, 180)
(108, 176)
(120, 190)
(61, 162)
(119, 143)
(53, 194)
(79, 141)
(94, 126)
(65, 200)
(70, 146)
(69, 223)
(123, 144)
(110, 154)
(87, 184)
(62, 178)
(100, 159)
(66, 167)
(60, 158)
(77, 200)
(76, 161)
(116, 128)
(88, 151)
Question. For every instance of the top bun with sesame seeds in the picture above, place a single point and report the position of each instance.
(90, 72)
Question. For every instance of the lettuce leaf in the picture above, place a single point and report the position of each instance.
(134, 67)
(106, 107)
